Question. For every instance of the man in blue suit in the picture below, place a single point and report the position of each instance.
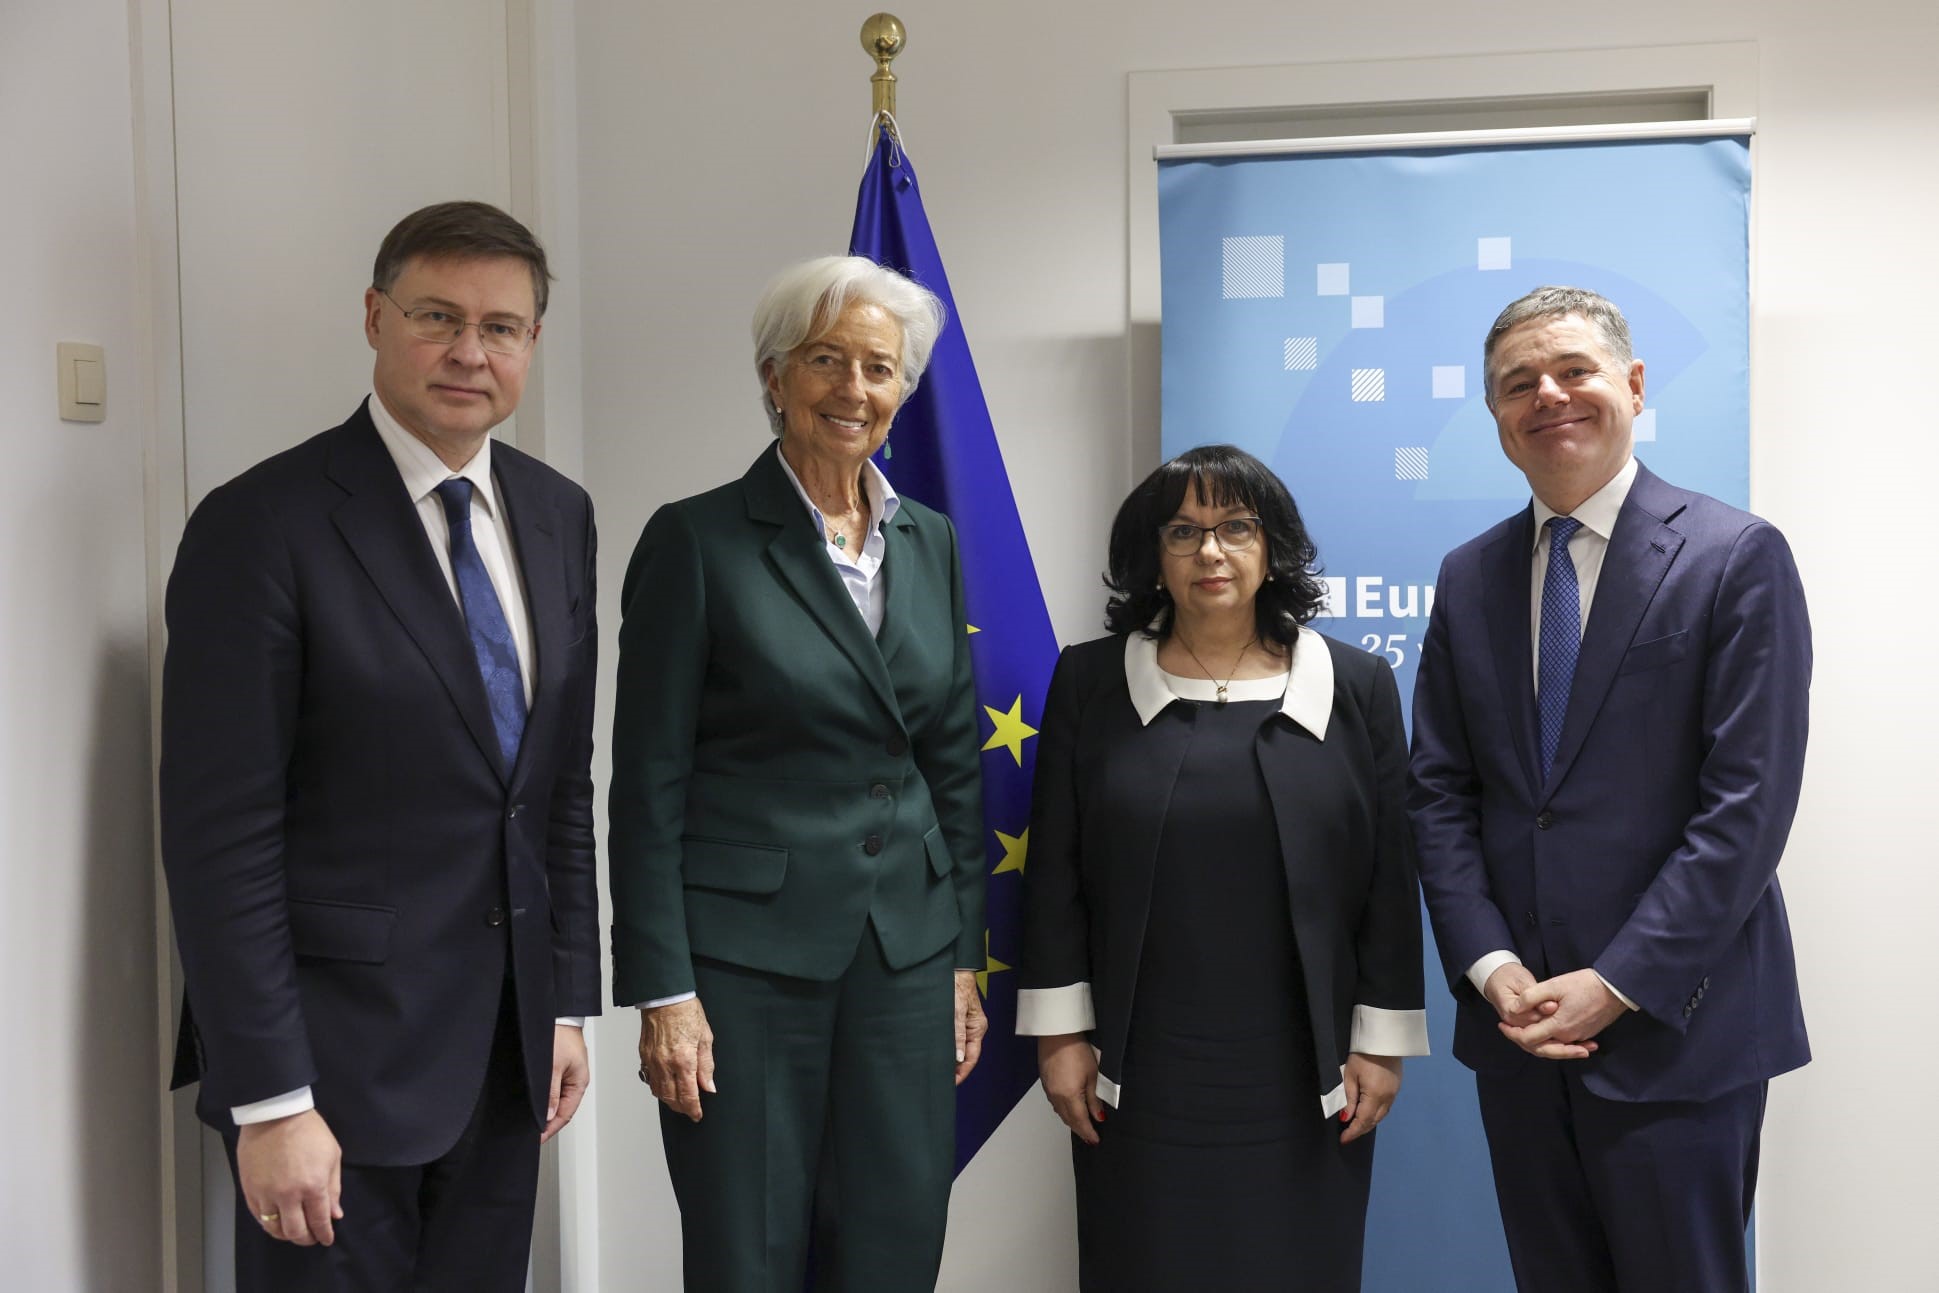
(376, 797)
(1609, 733)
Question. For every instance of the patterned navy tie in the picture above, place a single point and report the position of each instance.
(1561, 637)
(491, 636)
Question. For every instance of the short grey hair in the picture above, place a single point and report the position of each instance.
(1554, 303)
(804, 300)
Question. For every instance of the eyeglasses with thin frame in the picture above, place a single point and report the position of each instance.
(1235, 534)
(429, 323)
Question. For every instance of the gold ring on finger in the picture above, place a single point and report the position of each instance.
(268, 1217)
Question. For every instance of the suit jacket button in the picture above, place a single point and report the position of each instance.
(516, 810)
(898, 745)
(1531, 918)
(495, 917)
(1544, 820)
(878, 791)
(872, 845)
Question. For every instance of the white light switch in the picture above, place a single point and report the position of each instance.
(83, 381)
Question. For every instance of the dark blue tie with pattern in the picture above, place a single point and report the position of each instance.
(491, 636)
(1561, 637)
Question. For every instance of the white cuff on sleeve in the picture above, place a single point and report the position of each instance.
(1618, 991)
(1050, 1012)
(1388, 1032)
(1478, 972)
(673, 1000)
(571, 1021)
(277, 1106)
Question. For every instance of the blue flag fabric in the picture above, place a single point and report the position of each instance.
(943, 453)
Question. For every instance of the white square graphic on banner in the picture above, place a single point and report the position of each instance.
(1302, 354)
(1369, 385)
(1255, 267)
(1410, 463)
(1369, 311)
(1644, 427)
(1494, 253)
(1333, 278)
(1450, 382)
(1334, 600)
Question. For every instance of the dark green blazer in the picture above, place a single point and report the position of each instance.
(780, 778)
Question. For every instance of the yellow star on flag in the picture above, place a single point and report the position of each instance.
(1014, 848)
(991, 966)
(1010, 731)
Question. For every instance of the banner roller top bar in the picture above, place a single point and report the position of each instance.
(1709, 129)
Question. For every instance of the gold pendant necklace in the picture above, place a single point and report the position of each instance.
(1220, 697)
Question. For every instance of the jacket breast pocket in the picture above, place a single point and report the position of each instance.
(938, 851)
(341, 931)
(728, 864)
(1656, 652)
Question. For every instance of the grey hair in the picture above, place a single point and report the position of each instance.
(1554, 303)
(804, 300)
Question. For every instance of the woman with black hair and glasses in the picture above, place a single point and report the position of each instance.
(1222, 938)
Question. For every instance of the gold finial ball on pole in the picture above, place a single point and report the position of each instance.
(882, 39)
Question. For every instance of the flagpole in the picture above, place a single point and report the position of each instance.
(883, 37)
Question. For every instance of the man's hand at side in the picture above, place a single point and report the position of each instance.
(291, 1172)
(571, 1074)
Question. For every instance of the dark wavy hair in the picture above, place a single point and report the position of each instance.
(1226, 476)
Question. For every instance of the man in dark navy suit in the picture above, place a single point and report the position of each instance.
(1609, 733)
(376, 797)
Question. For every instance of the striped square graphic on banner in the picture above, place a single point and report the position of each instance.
(1410, 463)
(1302, 354)
(1369, 385)
(1255, 267)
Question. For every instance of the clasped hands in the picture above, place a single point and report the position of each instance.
(1554, 1019)
(677, 1046)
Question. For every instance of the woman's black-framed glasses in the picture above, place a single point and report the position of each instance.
(1234, 535)
(429, 323)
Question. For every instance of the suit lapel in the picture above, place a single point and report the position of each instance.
(1137, 831)
(1640, 553)
(803, 566)
(898, 570)
(541, 565)
(382, 528)
(1506, 585)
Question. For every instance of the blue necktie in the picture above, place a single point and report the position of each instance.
(491, 636)
(1561, 637)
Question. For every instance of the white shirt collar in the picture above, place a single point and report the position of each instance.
(1309, 683)
(421, 468)
(1598, 511)
(883, 503)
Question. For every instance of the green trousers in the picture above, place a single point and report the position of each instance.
(835, 1117)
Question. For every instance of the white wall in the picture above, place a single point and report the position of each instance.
(80, 1199)
(716, 144)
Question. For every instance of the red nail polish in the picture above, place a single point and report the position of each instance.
(1346, 1115)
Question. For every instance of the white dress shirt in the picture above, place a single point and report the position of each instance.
(860, 571)
(423, 471)
(1587, 547)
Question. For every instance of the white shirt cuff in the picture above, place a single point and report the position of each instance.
(571, 1021)
(277, 1106)
(1478, 972)
(673, 1000)
(1617, 991)
(1388, 1032)
(1051, 1012)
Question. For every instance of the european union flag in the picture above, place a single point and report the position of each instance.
(945, 456)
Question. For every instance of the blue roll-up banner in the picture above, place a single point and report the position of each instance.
(1326, 311)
